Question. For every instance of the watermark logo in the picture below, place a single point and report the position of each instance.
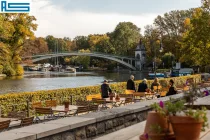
(15, 6)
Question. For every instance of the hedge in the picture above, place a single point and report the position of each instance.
(19, 100)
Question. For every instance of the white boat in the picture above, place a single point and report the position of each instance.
(70, 70)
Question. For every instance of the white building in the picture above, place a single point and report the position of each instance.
(140, 54)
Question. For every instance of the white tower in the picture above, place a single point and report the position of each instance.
(140, 55)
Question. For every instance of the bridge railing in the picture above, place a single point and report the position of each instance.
(112, 55)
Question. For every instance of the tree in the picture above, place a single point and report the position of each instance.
(100, 43)
(34, 46)
(14, 30)
(125, 37)
(83, 60)
(171, 27)
(196, 40)
(81, 42)
(168, 59)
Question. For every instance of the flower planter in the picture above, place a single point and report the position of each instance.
(186, 128)
(155, 118)
(66, 104)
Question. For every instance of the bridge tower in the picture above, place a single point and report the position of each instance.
(140, 55)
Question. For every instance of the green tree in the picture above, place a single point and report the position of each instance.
(124, 38)
(82, 60)
(171, 27)
(167, 59)
(196, 40)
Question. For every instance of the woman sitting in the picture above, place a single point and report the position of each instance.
(172, 89)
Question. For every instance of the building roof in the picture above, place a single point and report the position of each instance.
(140, 46)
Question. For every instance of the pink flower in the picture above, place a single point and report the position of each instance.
(161, 104)
(146, 136)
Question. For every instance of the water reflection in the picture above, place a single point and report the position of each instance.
(33, 81)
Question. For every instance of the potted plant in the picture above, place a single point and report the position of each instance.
(66, 103)
(188, 123)
(157, 120)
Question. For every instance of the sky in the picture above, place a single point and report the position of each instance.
(71, 18)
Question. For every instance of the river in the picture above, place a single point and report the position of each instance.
(33, 81)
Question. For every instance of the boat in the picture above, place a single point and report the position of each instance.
(158, 75)
(69, 70)
(181, 72)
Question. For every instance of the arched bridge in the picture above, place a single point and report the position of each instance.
(126, 61)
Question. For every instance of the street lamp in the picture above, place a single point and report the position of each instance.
(160, 50)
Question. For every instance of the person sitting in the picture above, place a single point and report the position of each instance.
(105, 89)
(131, 84)
(143, 86)
(155, 83)
(172, 89)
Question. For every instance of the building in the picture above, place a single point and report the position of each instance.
(140, 54)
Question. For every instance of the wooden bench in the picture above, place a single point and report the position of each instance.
(83, 109)
(50, 103)
(4, 125)
(44, 111)
(27, 121)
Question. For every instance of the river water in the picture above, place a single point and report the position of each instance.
(33, 81)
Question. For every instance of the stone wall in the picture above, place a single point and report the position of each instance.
(87, 126)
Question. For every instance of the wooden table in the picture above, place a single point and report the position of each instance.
(62, 109)
(115, 102)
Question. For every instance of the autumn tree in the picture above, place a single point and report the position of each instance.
(196, 40)
(14, 30)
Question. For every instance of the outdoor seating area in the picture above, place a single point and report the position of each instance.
(51, 109)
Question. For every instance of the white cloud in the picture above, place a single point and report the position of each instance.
(52, 20)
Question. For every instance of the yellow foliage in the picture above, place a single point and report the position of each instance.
(187, 22)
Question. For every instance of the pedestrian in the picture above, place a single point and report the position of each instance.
(131, 84)
(105, 89)
(172, 89)
(143, 86)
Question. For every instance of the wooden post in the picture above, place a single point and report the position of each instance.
(28, 108)
(71, 99)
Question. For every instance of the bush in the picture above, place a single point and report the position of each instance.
(1, 69)
(19, 70)
(8, 70)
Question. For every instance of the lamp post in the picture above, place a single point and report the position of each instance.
(160, 50)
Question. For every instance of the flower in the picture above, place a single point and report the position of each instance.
(206, 93)
(161, 104)
(146, 136)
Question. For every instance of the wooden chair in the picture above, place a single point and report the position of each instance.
(163, 93)
(4, 125)
(47, 112)
(129, 91)
(83, 109)
(50, 103)
(89, 97)
(36, 104)
(126, 95)
(100, 102)
(93, 108)
(17, 114)
(27, 121)
(82, 103)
